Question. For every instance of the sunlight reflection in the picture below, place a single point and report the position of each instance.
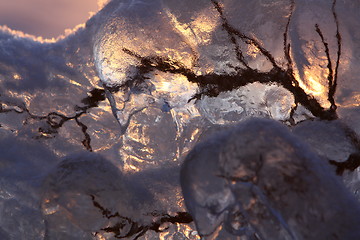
(313, 84)
(17, 76)
(199, 30)
(315, 87)
(41, 39)
(163, 80)
(252, 51)
(351, 102)
(75, 83)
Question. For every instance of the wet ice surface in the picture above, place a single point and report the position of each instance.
(140, 85)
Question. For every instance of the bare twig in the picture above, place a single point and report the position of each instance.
(329, 65)
(56, 120)
(248, 40)
(286, 44)
(332, 90)
(136, 229)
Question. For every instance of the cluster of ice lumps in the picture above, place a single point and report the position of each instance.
(159, 52)
(145, 81)
(186, 65)
(259, 181)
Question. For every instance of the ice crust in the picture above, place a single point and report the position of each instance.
(145, 81)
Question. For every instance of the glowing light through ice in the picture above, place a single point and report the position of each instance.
(140, 84)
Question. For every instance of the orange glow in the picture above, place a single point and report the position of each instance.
(315, 84)
(197, 32)
(17, 76)
(351, 102)
(315, 87)
(252, 51)
(46, 20)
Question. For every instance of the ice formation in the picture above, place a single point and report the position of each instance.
(142, 83)
(259, 181)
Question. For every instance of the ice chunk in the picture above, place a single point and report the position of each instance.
(255, 99)
(331, 140)
(23, 163)
(338, 144)
(206, 193)
(259, 181)
(87, 197)
(4, 235)
(85, 194)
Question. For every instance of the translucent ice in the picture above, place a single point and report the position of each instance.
(85, 196)
(76, 191)
(259, 181)
(141, 83)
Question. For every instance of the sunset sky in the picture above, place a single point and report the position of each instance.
(46, 18)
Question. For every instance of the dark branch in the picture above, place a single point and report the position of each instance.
(87, 140)
(56, 120)
(246, 39)
(286, 44)
(332, 90)
(213, 84)
(239, 54)
(136, 229)
(329, 65)
(352, 163)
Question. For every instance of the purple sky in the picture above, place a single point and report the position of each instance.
(46, 18)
